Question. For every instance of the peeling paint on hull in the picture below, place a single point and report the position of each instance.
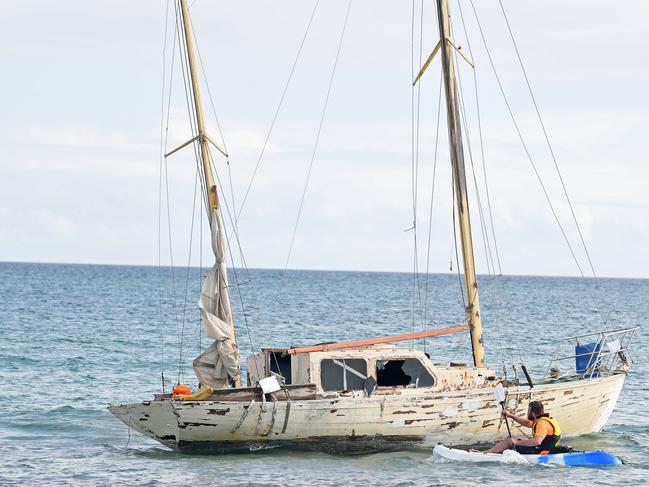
(412, 419)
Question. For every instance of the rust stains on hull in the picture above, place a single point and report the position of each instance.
(220, 412)
(415, 419)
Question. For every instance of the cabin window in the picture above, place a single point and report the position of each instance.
(403, 372)
(343, 374)
(280, 363)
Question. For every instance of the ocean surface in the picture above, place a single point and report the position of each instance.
(77, 337)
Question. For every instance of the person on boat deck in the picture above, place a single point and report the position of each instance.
(546, 433)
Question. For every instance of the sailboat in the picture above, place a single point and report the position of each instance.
(371, 394)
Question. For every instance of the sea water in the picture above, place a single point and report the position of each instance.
(78, 337)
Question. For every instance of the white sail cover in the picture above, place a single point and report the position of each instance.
(221, 360)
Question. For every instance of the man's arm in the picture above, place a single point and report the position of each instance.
(533, 441)
(542, 431)
(519, 419)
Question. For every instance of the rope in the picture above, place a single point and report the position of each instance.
(415, 132)
(432, 199)
(225, 148)
(161, 159)
(193, 128)
(200, 274)
(464, 121)
(233, 268)
(554, 161)
(233, 221)
(482, 152)
(526, 150)
(482, 220)
(224, 202)
(189, 260)
(317, 139)
(457, 257)
(279, 106)
(499, 275)
(483, 231)
(547, 141)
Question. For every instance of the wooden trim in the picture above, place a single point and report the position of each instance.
(373, 341)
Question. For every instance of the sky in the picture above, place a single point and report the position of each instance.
(80, 129)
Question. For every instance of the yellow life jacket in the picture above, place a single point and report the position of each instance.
(550, 441)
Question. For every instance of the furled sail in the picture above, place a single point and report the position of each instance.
(219, 364)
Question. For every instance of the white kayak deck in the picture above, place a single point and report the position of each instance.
(511, 456)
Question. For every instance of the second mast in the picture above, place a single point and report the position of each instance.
(459, 182)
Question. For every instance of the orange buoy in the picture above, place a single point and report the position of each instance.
(181, 389)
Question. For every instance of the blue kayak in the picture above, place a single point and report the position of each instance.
(584, 458)
(579, 458)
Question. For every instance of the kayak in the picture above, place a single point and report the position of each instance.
(586, 458)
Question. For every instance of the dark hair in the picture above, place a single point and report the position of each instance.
(536, 408)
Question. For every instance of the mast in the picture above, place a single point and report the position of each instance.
(459, 182)
(210, 187)
(203, 140)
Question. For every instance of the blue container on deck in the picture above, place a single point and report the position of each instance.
(585, 357)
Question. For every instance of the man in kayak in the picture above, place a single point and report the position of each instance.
(546, 433)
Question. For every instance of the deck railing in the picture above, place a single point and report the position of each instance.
(591, 355)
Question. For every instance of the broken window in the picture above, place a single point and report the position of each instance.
(280, 364)
(403, 372)
(343, 374)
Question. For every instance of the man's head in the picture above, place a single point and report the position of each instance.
(535, 410)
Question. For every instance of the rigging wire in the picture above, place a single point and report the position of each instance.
(200, 269)
(467, 140)
(462, 116)
(483, 222)
(490, 224)
(201, 185)
(189, 261)
(457, 256)
(188, 89)
(499, 275)
(232, 218)
(161, 159)
(482, 151)
(415, 102)
(555, 163)
(317, 139)
(166, 184)
(225, 148)
(432, 198)
(230, 212)
(547, 141)
(483, 231)
(525, 148)
(216, 118)
(222, 200)
(277, 110)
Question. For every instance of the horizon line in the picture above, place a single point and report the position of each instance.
(318, 270)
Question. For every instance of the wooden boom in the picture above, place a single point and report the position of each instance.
(373, 341)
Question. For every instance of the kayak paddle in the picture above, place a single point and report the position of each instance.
(499, 392)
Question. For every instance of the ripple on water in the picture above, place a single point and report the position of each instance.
(70, 357)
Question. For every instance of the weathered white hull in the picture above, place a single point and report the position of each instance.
(409, 418)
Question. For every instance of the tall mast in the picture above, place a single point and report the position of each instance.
(210, 187)
(459, 182)
(203, 139)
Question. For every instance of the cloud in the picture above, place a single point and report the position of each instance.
(79, 135)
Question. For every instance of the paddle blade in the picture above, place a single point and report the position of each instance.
(499, 392)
